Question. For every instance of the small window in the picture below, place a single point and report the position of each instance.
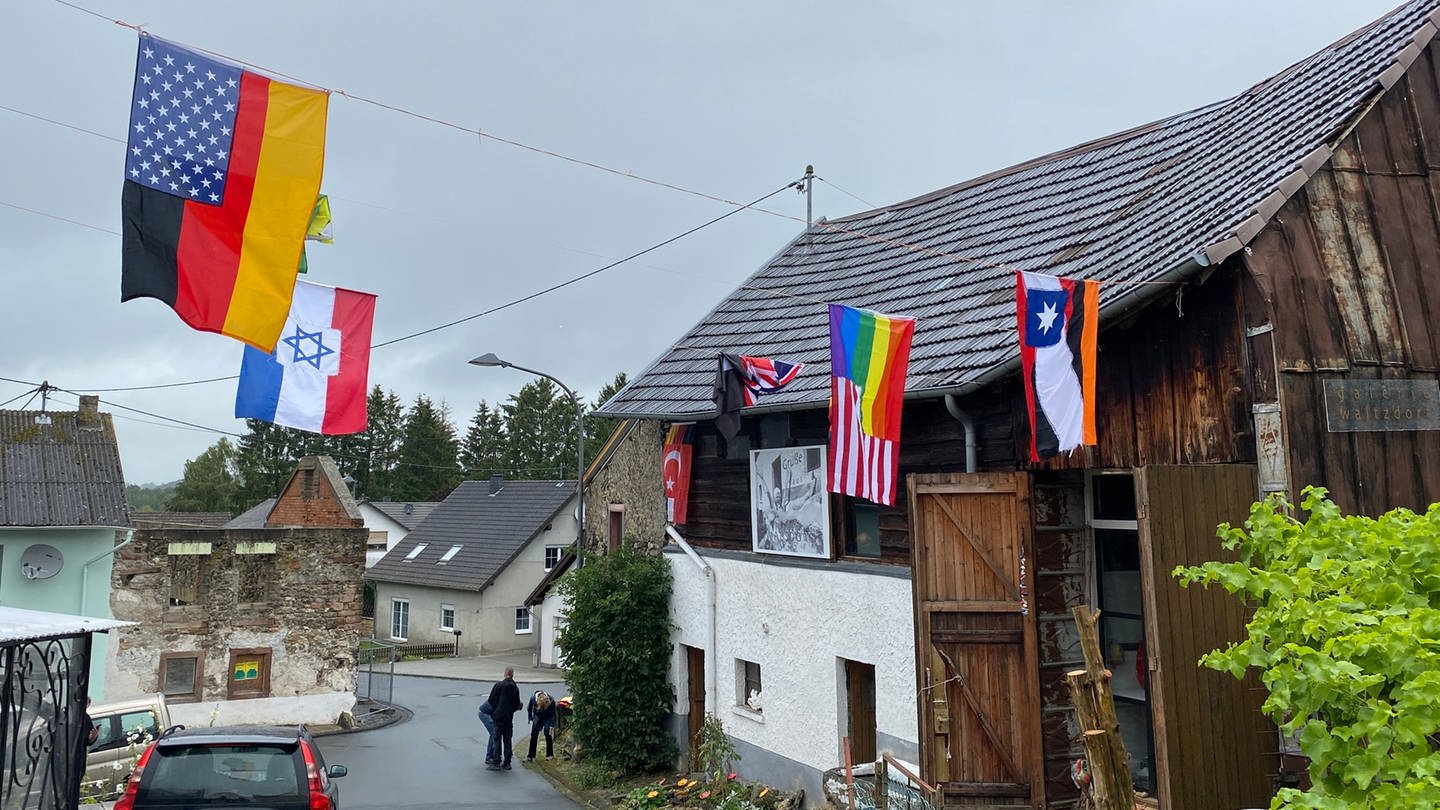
(447, 618)
(186, 574)
(449, 555)
(553, 555)
(180, 676)
(617, 526)
(415, 552)
(522, 620)
(862, 528)
(378, 541)
(750, 694)
(399, 619)
(249, 673)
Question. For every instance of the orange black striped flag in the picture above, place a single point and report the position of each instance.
(222, 173)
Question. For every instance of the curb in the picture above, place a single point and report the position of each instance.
(439, 677)
(390, 714)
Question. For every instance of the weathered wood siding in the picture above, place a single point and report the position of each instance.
(1348, 273)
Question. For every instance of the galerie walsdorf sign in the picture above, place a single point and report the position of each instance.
(1365, 405)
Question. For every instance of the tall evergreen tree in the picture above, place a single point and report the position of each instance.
(597, 430)
(540, 425)
(209, 483)
(483, 452)
(379, 445)
(265, 460)
(428, 465)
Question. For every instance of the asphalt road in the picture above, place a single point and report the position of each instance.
(436, 759)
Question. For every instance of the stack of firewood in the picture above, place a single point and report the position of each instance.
(1110, 784)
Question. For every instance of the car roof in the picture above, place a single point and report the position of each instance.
(232, 735)
(143, 702)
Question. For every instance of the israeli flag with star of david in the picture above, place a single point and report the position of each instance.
(317, 377)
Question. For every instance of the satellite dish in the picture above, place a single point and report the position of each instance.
(41, 561)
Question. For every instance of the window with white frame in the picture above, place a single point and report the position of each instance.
(749, 694)
(447, 618)
(522, 620)
(415, 552)
(449, 555)
(400, 619)
(553, 555)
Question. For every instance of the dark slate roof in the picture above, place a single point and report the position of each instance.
(407, 513)
(179, 520)
(254, 517)
(490, 529)
(56, 471)
(1156, 203)
(556, 571)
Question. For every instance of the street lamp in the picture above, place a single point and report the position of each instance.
(489, 360)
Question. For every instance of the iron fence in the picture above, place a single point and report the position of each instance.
(42, 722)
(374, 677)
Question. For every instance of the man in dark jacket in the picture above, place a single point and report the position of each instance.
(504, 702)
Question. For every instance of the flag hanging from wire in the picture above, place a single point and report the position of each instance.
(1058, 321)
(316, 378)
(741, 379)
(675, 472)
(869, 355)
(222, 170)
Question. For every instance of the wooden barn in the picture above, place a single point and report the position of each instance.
(1270, 319)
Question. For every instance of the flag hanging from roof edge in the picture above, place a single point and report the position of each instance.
(869, 356)
(222, 174)
(675, 472)
(317, 377)
(1058, 320)
(739, 382)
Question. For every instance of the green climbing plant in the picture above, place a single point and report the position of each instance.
(1346, 636)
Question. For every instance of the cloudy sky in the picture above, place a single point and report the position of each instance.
(731, 100)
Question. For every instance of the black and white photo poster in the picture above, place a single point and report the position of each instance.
(788, 502)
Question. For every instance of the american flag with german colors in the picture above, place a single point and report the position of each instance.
(222, 170)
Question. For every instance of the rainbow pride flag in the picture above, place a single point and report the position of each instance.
(869, 353)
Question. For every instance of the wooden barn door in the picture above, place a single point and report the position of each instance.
(1213, 748)
(695, 675)
(975, 639)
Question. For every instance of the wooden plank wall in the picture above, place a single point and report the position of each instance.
(1349, 274)
(1214, 749)
(1061, 574)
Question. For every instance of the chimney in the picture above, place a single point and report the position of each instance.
(497, 483)
(89, 415)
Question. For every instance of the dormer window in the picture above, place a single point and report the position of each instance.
(415, 552)
(449, 555)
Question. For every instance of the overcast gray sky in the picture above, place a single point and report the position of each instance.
(887, 100)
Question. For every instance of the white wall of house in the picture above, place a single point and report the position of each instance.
(551, 613)
(380, 524)
(312, 709)
(799, 623)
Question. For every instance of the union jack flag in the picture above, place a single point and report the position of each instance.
(763, 375)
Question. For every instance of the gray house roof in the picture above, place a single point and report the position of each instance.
(179, 520)
(1153, 204)
(407, 513)
(57, 469)
(489, 529)
(254, 517)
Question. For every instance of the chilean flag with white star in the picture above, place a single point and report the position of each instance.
(318, 376)
(1058, 322)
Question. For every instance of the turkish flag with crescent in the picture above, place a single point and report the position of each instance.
(675, 471)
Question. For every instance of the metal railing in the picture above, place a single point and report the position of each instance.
(374, 677)
(42, 722)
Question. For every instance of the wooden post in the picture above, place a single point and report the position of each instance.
(882, 785)
(1095, 712)
(849, 773)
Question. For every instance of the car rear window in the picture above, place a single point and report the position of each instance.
(203, 773)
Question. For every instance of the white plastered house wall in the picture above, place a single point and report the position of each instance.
(799, 623)
(377, 522)
(550, 613)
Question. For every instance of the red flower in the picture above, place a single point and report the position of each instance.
(731, 776)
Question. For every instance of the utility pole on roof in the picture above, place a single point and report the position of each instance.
(804, 186)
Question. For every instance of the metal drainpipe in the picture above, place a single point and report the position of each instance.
(972, 451)
(711, 664)
(85, 570)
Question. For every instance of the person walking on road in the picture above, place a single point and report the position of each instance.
(541, 711)
(487, 718)
(504, 702)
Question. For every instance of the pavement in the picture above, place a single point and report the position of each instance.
(480, 668)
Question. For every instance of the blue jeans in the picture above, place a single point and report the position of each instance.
(491, 755)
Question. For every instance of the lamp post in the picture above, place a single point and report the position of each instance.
(489, 360)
